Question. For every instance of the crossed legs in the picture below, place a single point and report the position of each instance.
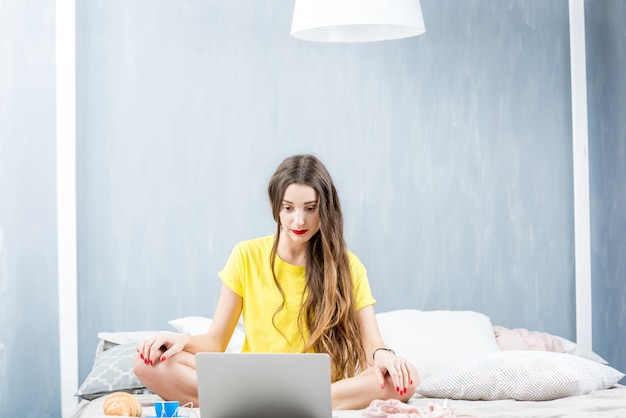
(175, 379)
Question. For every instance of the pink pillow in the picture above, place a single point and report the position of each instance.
(523, 339)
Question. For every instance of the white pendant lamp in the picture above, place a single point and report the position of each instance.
(356, 20)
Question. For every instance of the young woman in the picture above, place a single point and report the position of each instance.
(300, 290)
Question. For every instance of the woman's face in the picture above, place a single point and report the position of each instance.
(299, 213)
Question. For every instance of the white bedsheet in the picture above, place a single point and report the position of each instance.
(605, 403)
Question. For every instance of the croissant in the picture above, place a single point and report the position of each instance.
(122, 404)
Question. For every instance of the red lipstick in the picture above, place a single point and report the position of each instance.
(299, 231)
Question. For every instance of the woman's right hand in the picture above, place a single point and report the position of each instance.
(161, 346)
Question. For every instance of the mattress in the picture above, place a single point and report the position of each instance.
(603, 403)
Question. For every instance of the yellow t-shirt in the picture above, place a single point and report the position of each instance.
(248, 273)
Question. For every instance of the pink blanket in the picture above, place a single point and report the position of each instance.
(522, 339)
(395, 409)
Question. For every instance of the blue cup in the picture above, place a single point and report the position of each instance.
(166, 409)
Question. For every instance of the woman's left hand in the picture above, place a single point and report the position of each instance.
(386, 362)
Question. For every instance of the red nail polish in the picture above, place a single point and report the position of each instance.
(145, 361)
(141, 355)
(163, 358)
(397, 388)
(151, 363)
(411, 382)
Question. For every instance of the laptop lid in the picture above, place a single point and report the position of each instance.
(241, 385)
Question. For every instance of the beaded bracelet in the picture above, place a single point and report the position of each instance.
(382, 348)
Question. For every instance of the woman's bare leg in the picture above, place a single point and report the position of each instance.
(173, 380)
(359, 391)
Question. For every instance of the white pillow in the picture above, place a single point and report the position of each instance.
(436, 340)
(521, 375)
(196, 325)
(192, 325)
(125, 337)
(577, 350)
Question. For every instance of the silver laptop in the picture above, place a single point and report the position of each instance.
(247, 385)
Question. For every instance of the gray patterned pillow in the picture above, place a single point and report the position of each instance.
(522, 375)
(112, 371)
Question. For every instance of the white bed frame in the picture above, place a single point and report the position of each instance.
(66, 189)
(66, 200)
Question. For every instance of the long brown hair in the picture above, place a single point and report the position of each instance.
(328, 311)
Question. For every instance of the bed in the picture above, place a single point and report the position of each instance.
(604, 403)
(466, 364)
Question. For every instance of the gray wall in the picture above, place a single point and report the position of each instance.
(451, 151)
(606, 55)
(29, 330)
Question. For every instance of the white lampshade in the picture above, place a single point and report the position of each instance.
(356, 20)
